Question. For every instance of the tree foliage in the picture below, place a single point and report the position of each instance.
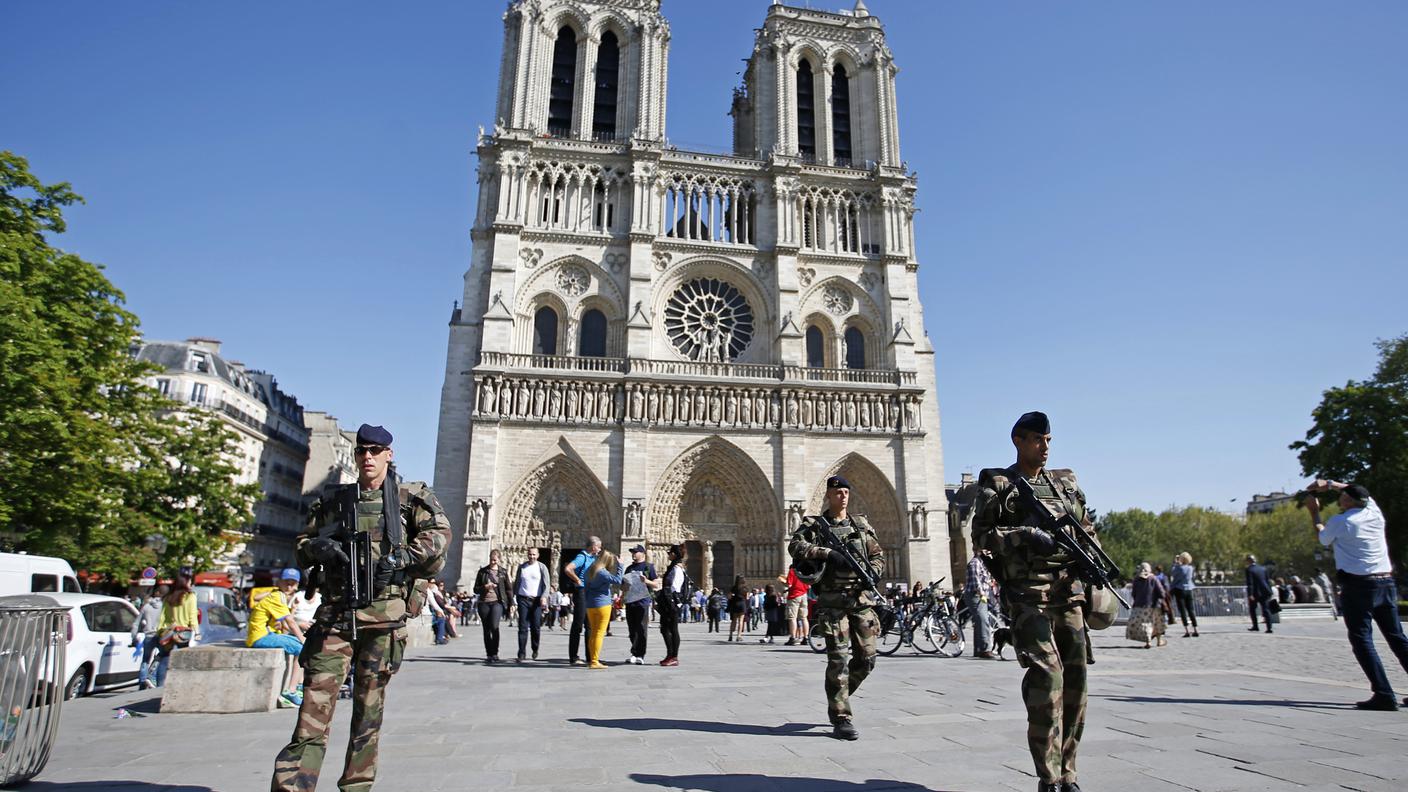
(1217, 541)
(93, 460)
(1359, 434)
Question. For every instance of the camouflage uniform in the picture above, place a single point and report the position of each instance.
(375, 654)
(845, 614)
(1044, 601)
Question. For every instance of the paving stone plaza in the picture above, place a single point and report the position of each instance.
(1231, 710)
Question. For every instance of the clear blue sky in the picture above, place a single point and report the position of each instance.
(1170, 226)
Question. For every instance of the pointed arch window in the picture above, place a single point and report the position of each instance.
(591, 340)
(563, 91)
(806, 111)
(855, 348)
(545, 331)
(816, 348)
(608, 65)
(841, 116)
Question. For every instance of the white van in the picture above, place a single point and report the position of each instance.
(21, 573)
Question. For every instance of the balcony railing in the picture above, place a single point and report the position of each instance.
(694, 369)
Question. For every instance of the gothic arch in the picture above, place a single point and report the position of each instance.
(527, 315)
(814, 301)
(809, 51)
(557, 504)
(566, 16)
(614, 21)
(714, 492)
(600, 284)
(874, 497)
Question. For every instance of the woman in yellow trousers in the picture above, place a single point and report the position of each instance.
(604, 573)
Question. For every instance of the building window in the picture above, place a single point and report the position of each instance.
(592, 340)
(855, 348)
(608, 64)
(198, 391)
(841, 116)
(545, 332)
(709, 320)
(564, 83)
(806, 111)
(163, 386)
(816, 348)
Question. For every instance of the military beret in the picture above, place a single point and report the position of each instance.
(1032, 422)
(373, 435)
(838, 482)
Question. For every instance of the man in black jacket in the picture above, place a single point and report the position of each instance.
(1260, 594)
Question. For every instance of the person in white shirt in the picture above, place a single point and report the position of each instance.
(1368, 594)
(530, 589)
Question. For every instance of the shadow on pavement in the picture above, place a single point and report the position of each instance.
(113, 787)
(665, 724)
(1332, 705)
(747, 782)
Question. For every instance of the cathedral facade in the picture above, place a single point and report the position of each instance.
(664, 346)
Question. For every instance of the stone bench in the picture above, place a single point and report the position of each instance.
(223, 678)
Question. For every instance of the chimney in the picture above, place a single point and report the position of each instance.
(211, 345)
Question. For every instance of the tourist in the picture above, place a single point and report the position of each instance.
(604, 573)
(530, 589)
(1331, 594)
(572, 574)
(715, 608)
(492, 586)
(1146, 618)
(1260, 594)
(272, 626)
(774, 614)
(640, 581)
(796, 607)
(1300, 593)
(1181, 585)
(305, 606)
(180, 619)
(671, 592)
(145, 630)
(737, 608)
(438, 614)
(976, 587)
(1369, 594)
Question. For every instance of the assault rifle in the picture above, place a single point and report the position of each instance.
(357, 574)
(1093, 566)
(861, 567)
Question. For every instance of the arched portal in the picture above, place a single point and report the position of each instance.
(716, 495)
(873, 497)
(555, 507)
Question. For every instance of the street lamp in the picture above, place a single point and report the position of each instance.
(246, 559)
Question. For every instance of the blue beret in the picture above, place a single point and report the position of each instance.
(373, 435)
(838, 482)
(1032, 422)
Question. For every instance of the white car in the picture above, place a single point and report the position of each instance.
(99, 655)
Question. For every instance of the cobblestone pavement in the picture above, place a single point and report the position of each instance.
(1231, 710)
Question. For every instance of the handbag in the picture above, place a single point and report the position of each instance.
(177, 637)
(1274, 605)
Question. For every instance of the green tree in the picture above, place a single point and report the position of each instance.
(93, 460)
(1360, 434)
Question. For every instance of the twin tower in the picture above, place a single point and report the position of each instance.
(663, 346)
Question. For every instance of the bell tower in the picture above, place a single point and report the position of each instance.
(588, 70)
(819, 86)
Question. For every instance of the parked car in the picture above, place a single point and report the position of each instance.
(21, 573)
(218, 623)
(220, 595)
(99, 654)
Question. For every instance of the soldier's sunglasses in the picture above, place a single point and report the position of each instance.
(373, 450)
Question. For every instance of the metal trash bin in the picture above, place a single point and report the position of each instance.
(33, 647)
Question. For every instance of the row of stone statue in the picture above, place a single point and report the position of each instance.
(689, 405)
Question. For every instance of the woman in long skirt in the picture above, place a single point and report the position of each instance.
(1146, 618)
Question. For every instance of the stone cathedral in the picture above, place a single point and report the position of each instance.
(667, 346)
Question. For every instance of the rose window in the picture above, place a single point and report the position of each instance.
(708, 320)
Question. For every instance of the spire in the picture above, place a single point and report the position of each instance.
(861, 10)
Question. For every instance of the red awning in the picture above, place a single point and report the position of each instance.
(213, 579)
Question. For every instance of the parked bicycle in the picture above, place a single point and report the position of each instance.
(927, 623)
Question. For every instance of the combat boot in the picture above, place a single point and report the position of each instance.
(1051, 786)
(845, 730)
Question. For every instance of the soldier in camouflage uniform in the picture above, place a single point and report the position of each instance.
(845, 612)
(1043, 597)
(374, 649)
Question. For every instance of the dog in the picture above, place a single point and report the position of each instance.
(1001, 639)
